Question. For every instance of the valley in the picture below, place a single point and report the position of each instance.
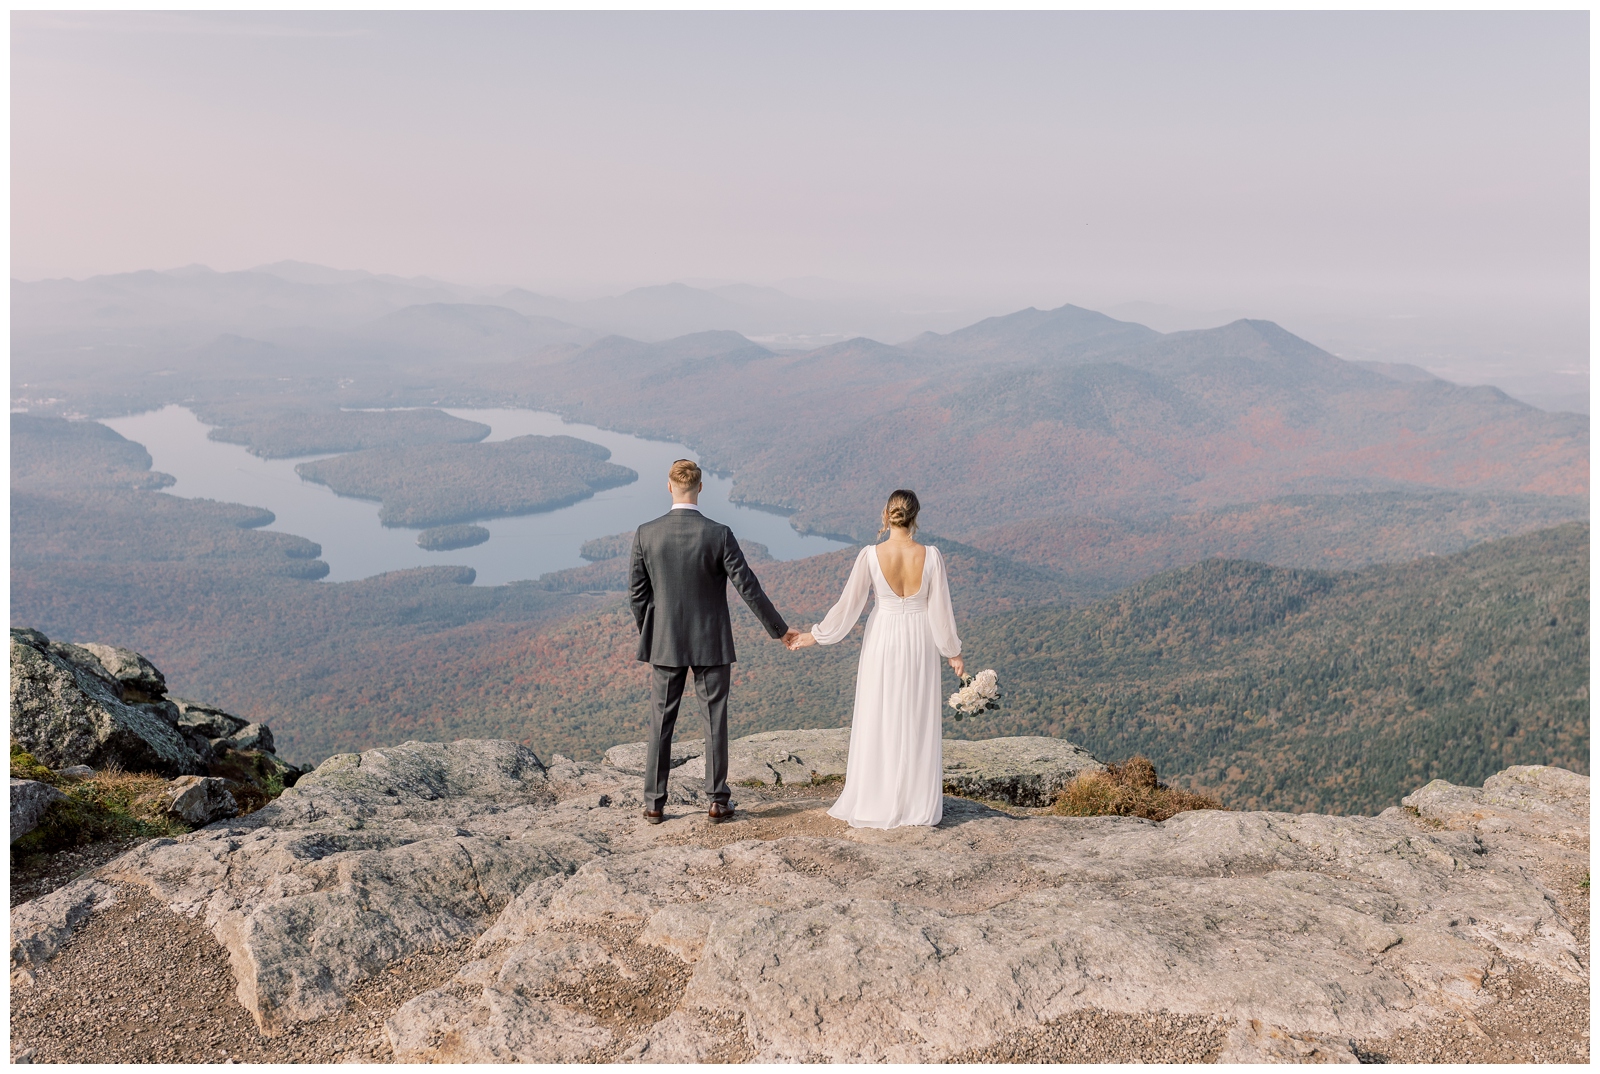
(1226, 549)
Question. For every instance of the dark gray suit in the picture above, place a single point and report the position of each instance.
(682, 564)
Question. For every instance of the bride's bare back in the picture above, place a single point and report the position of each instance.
(901, 560)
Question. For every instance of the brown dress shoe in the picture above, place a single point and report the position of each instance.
(652, 818)
(719, 812)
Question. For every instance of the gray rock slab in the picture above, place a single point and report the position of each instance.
(912, 945)
(29, 801)
(40, 927)
(806, 939)
(64, 714)
(369, 858)
(1024, 771)
(1534, 800)
(630, 756)
(200, 800)
(775, 757)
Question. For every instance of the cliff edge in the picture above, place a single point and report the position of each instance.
(557, 927)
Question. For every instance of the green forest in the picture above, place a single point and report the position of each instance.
(437, 484)
(1302, 690)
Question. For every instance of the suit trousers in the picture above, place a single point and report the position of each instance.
(666, 693)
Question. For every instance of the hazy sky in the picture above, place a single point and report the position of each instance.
(1189, 158)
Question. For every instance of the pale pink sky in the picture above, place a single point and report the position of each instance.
(1188, 158)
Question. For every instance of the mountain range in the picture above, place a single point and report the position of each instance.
(187, 303)
(1062, 456)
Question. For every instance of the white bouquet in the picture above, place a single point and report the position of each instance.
(979, 693)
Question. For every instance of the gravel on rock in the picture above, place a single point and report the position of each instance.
(141, 984)
(1536, 1016)
(1096, 1036)
(33, 875)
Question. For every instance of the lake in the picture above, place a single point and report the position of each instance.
(355, 545)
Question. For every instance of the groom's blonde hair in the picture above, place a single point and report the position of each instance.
(684, 475)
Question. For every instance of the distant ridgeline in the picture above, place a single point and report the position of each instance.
(1064, 455)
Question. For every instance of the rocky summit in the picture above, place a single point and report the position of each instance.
(102, 706)
(570, 930)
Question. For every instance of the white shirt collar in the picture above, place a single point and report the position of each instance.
(686, 507)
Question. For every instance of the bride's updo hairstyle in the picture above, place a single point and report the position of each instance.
(901, 510)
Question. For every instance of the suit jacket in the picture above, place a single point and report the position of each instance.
(682, 564)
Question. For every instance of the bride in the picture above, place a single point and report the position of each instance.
(895, 774)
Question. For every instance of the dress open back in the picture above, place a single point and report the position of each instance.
(895, 774)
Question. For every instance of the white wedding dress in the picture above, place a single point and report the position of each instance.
(895, 774)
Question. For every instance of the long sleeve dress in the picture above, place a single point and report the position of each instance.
(895, 774)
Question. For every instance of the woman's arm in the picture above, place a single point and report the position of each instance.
(942, 614)
(841, 618)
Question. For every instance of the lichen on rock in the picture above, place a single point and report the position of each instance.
(68, 709)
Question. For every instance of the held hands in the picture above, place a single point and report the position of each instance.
(793, 639)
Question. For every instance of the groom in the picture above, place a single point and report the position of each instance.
(682, 564)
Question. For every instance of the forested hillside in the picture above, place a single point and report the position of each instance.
(1275, 688)
(1304, 690)
(1100, 555)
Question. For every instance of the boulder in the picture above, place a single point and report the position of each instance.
(76, 771)
(29, 801)
(252, 736)
(270, 766)
(775, 757)
(140, 679)
(1523, 800)
(785, 936)
(1025, 771)
(77, 656)
(630, 756)
(769, 758)
(199, 800)
(65, 713)
(205, 720)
